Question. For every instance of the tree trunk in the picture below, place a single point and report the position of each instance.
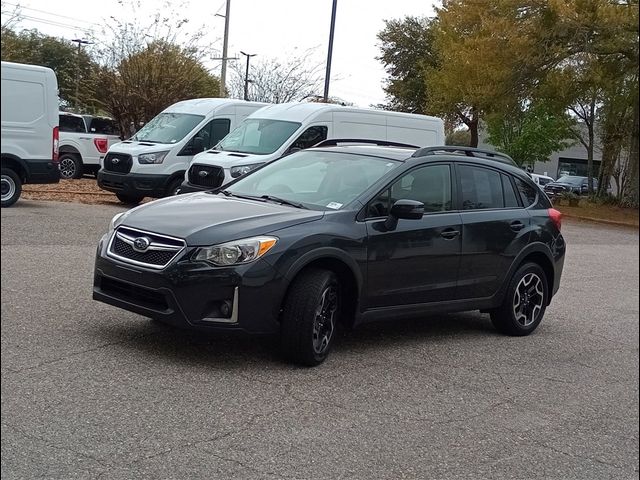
(633, 155)
(592, 111)
(473, 129)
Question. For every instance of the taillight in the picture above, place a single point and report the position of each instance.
(56, 140)
(556, 217)
(101, 144)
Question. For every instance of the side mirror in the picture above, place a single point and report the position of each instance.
(198, 145)
(406, 210)
(292, 150)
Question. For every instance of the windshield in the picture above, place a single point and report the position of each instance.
(571, 180)
(167, 128)
(260, 137)
(315, 179)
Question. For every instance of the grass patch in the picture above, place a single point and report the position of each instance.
(603, 213)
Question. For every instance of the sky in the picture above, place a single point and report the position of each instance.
(267, 28)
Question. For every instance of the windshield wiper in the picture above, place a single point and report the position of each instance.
(227, 193)
(283, 201)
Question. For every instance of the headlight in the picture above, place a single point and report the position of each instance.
(237, 252)
(155, 157)
(243, 169)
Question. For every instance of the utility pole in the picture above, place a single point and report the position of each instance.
(327, 75)
(246, 77)
(225, 45)
(80, 42)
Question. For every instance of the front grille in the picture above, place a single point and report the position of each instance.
(144, 248)
(142, 296)
(206, 175)
(118, 162)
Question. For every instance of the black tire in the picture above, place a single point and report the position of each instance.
(70, 166)
(131, 200)
(11, 187)
(306, 334)
(173, 186)
(524, 303)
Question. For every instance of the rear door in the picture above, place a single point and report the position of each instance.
(418, 261)
(495, 228)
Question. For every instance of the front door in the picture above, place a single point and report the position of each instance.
(417, 262)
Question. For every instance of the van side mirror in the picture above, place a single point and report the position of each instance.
(197, 145)
(406, 210)
(292, 150)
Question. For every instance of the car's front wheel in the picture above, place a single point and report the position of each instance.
(310, 316)
(11, 187)
(525, 302)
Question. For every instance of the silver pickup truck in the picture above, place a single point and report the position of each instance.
(84, 140)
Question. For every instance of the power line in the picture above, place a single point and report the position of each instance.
(51, 14)
(56, 24)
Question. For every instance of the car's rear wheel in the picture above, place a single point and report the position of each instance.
(11, 187)
(70, 166)
(525, 302)
(310, 316)
(131, 200)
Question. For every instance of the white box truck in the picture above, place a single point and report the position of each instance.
(278, 130)
(153, 161)
(29, 128)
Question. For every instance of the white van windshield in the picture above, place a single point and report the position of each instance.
(258, 136)
(167, 128)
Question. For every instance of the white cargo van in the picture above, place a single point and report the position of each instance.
(280, 129)
(29, 128)
(152, 163)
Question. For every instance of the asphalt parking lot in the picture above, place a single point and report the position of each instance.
(90, 391)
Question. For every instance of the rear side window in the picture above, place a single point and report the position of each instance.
(69, 123)
(527, 192)
(510, 199)
(481, 188)
(103, 126)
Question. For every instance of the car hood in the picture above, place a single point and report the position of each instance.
(207, 219)
(135, 148)
(227, 160)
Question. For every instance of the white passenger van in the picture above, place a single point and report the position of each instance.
(277, 130)
(29, 128)
(152, 163)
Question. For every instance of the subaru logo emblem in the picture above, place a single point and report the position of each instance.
(115, 161)
(141, 244)
(203, 173)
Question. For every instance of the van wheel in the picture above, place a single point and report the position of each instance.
(11, 187)
(131, 200)
(525, 302)
(173, 187)
(70, 166)
(310, 316)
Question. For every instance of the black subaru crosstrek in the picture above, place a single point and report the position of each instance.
(347, 234)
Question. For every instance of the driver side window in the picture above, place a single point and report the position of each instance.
(310, 137)
(430, 185)
(207, 136)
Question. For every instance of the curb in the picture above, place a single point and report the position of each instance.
(601, 220)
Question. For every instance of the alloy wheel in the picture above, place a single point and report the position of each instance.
(324, 322)
(67, 167)
(528, 299)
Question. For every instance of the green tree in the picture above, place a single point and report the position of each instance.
(143, 84)
(530, 134)
(407, 50)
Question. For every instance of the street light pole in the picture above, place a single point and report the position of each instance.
(80, 42)
(327, 74)
(246, 78)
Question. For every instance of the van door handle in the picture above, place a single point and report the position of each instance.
(449, 233)
(516, 225)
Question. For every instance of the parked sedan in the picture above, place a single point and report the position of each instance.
(569, 184)
(347, 234)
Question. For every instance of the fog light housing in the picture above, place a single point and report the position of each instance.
(223, 311)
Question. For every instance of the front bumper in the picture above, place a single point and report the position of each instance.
(189, 294)
(134, 184)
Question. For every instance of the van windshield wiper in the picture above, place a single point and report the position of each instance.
(283, 201)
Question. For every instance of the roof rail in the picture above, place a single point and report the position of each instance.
(333, 142)
(468, 151)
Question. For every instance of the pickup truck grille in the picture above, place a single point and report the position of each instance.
(144, 248)
(118, 162)
(206, 175)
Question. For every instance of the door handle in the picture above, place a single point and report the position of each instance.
(517, 225)
(449, 233)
